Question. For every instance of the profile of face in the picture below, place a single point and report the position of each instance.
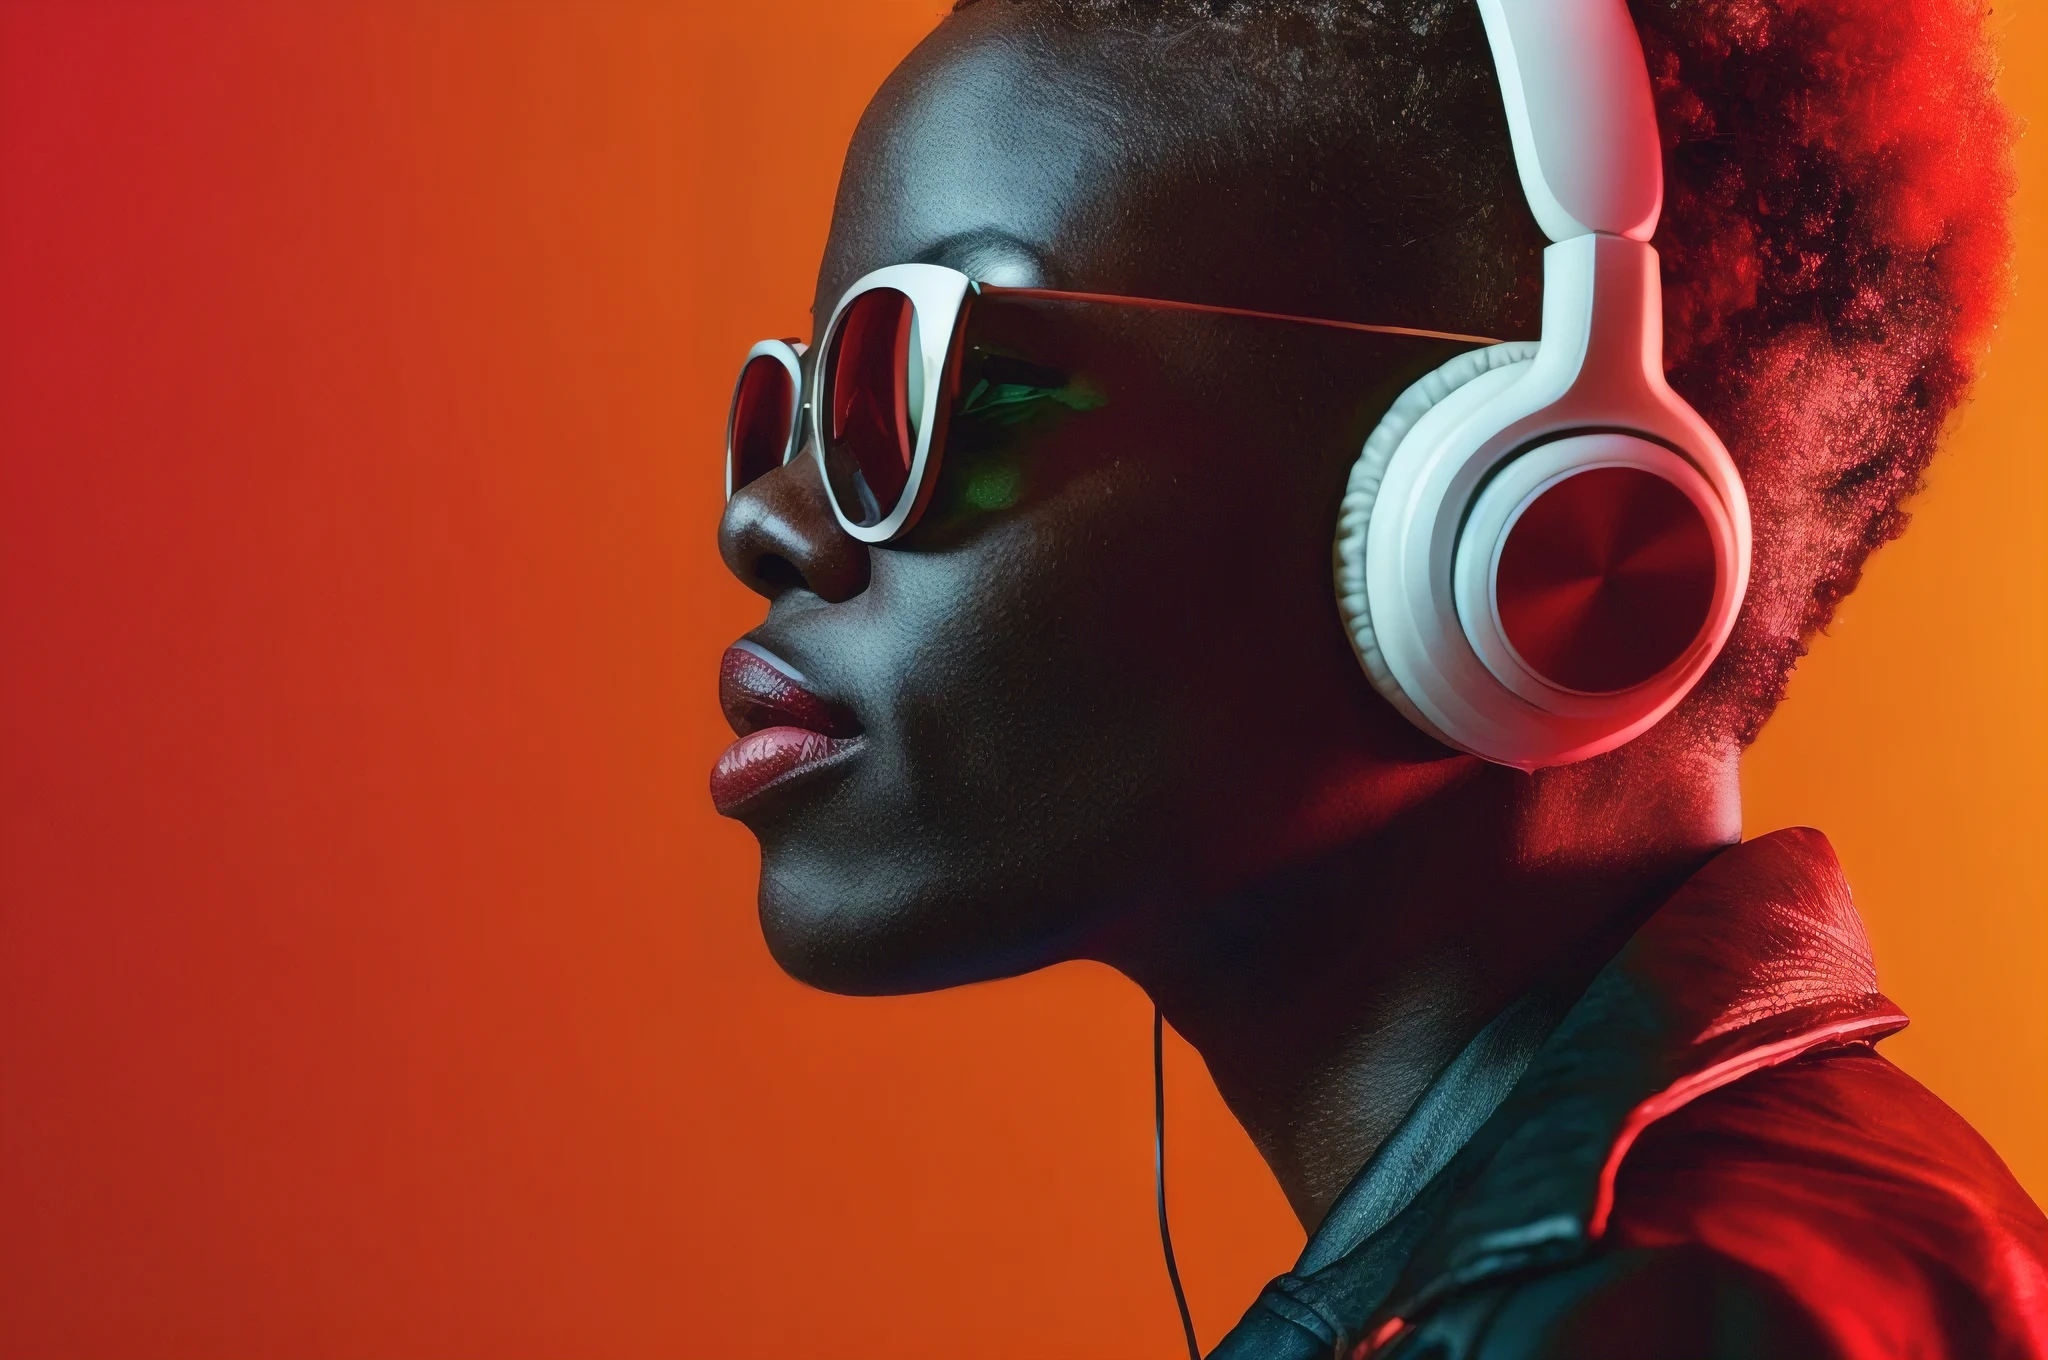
(1102, 682)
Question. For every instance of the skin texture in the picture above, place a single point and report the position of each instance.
(1115, 717)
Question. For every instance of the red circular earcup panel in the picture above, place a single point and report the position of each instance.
(1605, 579)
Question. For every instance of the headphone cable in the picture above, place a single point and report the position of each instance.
(1180, 1297)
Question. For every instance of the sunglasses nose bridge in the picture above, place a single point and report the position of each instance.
(806, 390)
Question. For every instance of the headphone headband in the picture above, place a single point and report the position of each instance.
(1580, 114)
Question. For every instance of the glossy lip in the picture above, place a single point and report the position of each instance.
(786, 731)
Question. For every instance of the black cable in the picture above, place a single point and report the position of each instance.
(1187, 1321)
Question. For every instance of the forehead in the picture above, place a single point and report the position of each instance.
(997, 149)
(1178, 166)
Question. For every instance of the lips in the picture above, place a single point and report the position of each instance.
(785, 731)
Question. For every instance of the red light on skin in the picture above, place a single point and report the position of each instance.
(1605, 579)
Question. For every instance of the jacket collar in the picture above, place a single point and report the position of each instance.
(1758, 958)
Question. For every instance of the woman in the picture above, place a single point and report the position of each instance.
(1543, 1065)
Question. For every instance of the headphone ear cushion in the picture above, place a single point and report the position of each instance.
(1354, 515)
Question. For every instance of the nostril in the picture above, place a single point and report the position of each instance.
(779, 537)
(776, 571)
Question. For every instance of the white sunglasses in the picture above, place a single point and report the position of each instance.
(877, 401)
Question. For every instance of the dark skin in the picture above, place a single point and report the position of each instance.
(1110, 713)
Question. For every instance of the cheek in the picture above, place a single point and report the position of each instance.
(1086, 667)
(1035, 700)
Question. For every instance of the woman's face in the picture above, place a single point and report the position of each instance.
(1103, 680)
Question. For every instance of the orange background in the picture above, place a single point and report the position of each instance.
(374, 978)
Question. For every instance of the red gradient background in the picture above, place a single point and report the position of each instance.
(374, 977)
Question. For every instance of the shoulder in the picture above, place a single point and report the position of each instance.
(1830, 1207)
(1680, 1302)
(1857, 1195)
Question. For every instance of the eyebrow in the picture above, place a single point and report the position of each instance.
(981, 251)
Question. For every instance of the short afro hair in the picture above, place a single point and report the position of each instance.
(1835, 243)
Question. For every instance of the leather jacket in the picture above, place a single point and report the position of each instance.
(1701, 1155)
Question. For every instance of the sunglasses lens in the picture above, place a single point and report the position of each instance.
(761, 411)
(874, 385)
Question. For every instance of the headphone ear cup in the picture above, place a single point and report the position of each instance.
(1354, 515)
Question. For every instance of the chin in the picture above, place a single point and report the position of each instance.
(862, 929)
(849, 930)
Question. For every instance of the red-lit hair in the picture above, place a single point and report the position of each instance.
(1835, 250)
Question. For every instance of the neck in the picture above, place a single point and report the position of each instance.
(1326, 997)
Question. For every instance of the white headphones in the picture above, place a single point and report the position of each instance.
(1543, 547)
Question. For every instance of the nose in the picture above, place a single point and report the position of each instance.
(779, 534)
